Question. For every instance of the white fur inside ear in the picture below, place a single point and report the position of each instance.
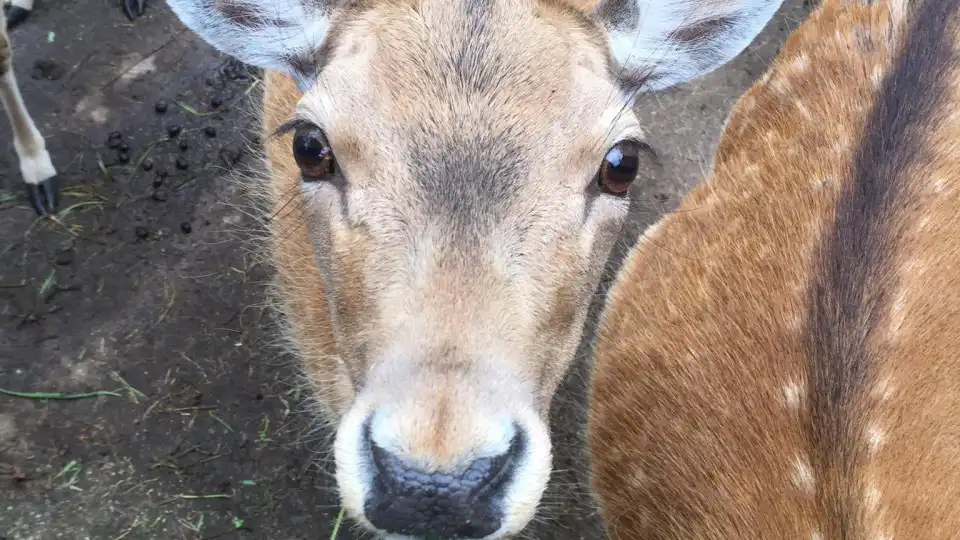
(667, 42)
(281, 35)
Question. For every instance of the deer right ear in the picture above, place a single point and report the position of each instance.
(661, 43)
(280, 35)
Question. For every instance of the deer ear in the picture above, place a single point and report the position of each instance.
(280, 35)
(661, 43)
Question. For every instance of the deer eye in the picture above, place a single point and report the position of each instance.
(313, 154)
(619, 168)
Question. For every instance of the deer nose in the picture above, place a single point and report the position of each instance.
(466, 503)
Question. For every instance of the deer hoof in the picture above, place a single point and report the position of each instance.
(43, 196)
(15, 15)
(134, 8)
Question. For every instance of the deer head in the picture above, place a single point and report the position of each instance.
(458, 172)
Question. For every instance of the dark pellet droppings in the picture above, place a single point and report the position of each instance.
(210, 131)
(161, 106)
(185, 227)
(216, 102)
(229, 155)
(48, 69)
(157, 182)
(114, 140)
(182, 163)
(124, 147)
(141, 232)
(174, 130)
(184, 145)
(147, 164)
(160, 195)
(123, 157)
(64, 257)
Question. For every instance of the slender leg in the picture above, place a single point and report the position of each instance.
(17, 11)
(35, 164)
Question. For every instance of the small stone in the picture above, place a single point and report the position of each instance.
(174, 130)
(182, 163)
(124, 147)
(216, 102)
(210, 131)
(184, 145)
(157, 182)
(64, 257)
(114, 140)
(160, 195)
(161, 106)
(123, 157)
(185, 227)
(147, 164)
(141, 232)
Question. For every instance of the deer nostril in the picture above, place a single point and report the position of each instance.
(463, 504)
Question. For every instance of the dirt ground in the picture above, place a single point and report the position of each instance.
(146, 288)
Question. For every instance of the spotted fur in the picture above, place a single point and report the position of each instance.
(787, 368)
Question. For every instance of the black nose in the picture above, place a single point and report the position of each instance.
(463, 504)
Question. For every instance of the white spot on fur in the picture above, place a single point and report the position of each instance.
(842, 144)
(875, 438)
(803, 474)
(638, 478)
(872, 497)
(938, 185)
(877, 75)
(801, 63)
(884, 389)
(792, 393)
(804, 111)
(815, 535)
(823, 182)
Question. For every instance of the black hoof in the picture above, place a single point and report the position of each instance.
(15, 15)
(134, 8)
(43, 196)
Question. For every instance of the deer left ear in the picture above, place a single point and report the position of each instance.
(280, 35)
(660, 43)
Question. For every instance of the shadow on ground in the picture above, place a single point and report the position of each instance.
(146, 288)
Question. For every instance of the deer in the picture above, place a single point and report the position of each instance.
(36, 167)
(776, 358)
(443, 181)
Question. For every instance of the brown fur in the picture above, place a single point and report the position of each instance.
(778, 358)
(451, 320)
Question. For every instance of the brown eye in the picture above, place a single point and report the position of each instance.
(313, 154)
(619, 168)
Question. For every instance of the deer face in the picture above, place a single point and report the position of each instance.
(461, 170)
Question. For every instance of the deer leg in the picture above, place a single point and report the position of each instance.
(134, 8)
(17, 11)
(35, 164)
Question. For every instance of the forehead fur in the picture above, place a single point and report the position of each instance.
(473, 96)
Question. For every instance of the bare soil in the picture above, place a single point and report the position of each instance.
(146, 288)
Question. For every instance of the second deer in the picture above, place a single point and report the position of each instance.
(779, 358)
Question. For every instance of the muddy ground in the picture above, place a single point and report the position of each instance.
(146, 288)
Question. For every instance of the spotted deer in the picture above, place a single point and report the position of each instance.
(778, 358)
(446, 180)
(36, 167)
